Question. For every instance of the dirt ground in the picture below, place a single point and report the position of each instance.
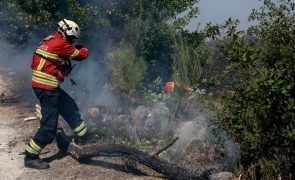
(15, 133)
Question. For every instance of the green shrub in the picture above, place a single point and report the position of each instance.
(139, 144)
(259, 109)
(188, 63)
(127, 69)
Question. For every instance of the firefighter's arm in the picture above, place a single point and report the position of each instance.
(68, 51)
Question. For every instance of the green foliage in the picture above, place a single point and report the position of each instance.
(145, 25)
(188, 63)
(153, 91)
(259, 109)
(176, 7)
(28, 19)
(139, 144)
(127, 69)
(156, 47)
(83, 14)
(186, 71)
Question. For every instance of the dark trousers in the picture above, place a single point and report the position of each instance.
(55, 103)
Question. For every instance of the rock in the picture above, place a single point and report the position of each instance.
(189, 132)
(222, 176)
(158, 118)
(147, 120)
(93, 113)
(139, 116)
(124, 119)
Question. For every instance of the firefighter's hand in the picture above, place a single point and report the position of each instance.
(84, 51)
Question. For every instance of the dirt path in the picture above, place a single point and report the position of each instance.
(11, 162)
(15, 133)
(11, 141)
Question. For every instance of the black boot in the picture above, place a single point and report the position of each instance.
(62, 141)
(36, 163)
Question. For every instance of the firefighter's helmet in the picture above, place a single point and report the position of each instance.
(69, 28)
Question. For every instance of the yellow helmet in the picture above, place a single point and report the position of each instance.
(69, 28)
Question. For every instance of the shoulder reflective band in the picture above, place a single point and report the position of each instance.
(75, 54)
(45, 54)
(81, 129)
(33, 148)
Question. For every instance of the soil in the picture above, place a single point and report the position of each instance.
(15, 133)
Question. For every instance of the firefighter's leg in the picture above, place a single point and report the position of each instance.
(70, 112)
(49, 101)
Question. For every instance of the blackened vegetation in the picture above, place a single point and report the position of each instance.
(171, 171)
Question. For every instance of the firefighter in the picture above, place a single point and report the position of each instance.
(49, 69)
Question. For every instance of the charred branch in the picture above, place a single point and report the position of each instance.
(170, 170)
(166, 147)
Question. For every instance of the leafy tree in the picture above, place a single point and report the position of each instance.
(25, 20)
(259, 110)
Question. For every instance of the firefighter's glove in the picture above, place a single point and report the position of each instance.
(66, 69)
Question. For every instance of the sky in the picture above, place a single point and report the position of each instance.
(217, 11)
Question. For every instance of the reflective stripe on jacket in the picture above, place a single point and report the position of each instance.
(48, 59)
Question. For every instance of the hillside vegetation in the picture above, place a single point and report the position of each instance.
(248, 75)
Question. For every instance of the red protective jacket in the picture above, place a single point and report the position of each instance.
(49, 57)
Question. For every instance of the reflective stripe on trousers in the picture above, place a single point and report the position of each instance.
(81, 129)
(33, 147)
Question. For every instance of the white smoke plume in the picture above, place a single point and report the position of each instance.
(205, 135)
(15, 62)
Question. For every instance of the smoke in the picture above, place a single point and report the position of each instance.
(16, 58)
(231, 151)
(207, 141)
(91, 78)
(15, 64)
(198, 138)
